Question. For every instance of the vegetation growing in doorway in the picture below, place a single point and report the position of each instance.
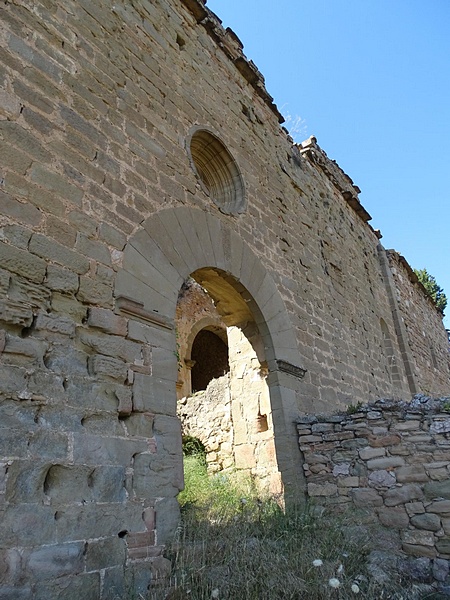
(234, 545)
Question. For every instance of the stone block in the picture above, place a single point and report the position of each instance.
(99, 450)
(369, 453)
(68, 306)
(140, 425)
(80, 483)
(443, 546)
(105, 553)
(19, 524)
(50, 562)
(84, 392)
(93, 249)
(22, 262)
(106, 320)
(411, 474)
(29, 293)
(167, 514)
(49, 249)
(105, 366)
(414, 508)
(66, 360)
(112, 236)
(351, 482)
(393, 517)
(53, 324)
(402, 495)
(25, 481)
(57, 183)
(15, 313)
(48, 445)
(428, 521)
(102, 424)
(418, 550)
(10, 566)
(437, 489)
(382, 479)
(61, 279)
(384, 441)
(157, 477)
(387, 462)
(440, 569)
(364, 497)
(15, 592)
(113, 584)
(91, 520)
(125, 397)
(412, 425)
(440, 507)
(138, 577)
(418, 537)
(111, 345)
(244, 455)
(154, 395)
(153, 335)
(92, 291)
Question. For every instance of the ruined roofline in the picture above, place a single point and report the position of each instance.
(412, 276)
(232, 46)
(311, 150)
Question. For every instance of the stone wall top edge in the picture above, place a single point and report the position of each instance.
(317, 157)
(418, 405)
(394, 255)
(232, 46)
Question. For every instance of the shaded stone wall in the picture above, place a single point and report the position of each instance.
(103, 218)
(427, 338)
(207, 416)
(391, 459)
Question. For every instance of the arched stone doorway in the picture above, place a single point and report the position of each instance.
(171, 246)
(223, 396)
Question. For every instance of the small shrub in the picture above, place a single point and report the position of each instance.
(354, 408)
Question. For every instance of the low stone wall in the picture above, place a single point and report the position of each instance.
(391, 458)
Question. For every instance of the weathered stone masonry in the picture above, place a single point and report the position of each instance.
(390, 459)
(139, 148)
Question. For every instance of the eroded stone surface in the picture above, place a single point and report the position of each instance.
(102, 220)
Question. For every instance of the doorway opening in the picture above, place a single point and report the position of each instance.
(222, 390)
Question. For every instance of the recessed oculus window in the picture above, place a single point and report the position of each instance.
(217, 171)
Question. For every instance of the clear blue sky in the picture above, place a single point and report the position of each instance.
(371, 80)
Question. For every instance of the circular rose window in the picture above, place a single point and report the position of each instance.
(217, 171)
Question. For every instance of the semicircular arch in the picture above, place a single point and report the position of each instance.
(174, 244)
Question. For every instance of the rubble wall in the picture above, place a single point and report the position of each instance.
(390, 459)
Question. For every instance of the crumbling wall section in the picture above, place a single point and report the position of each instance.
(390, 459)
(206, 415)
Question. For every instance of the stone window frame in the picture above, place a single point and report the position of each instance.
(216, 170)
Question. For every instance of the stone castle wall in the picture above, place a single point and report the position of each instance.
(103, 217)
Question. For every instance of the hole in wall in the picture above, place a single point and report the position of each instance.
(181, 42)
